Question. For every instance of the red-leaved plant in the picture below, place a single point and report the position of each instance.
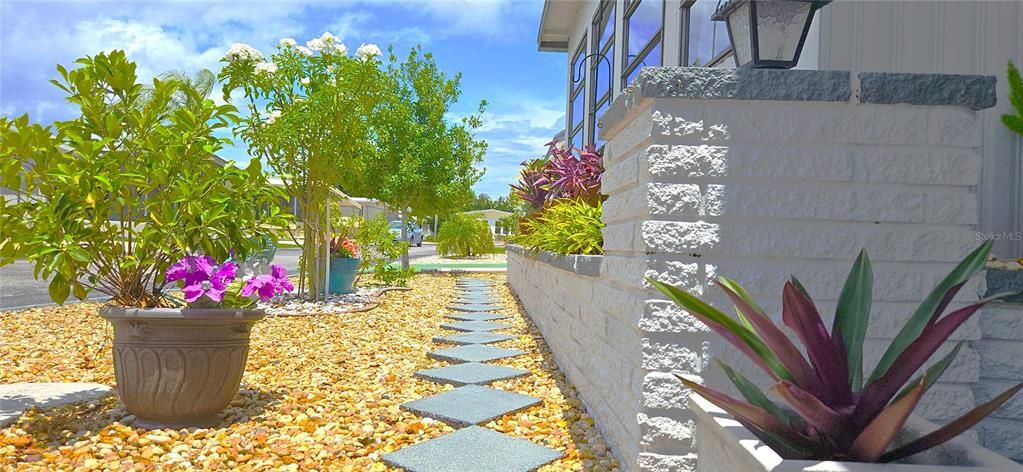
(836, 413)
(567, 173)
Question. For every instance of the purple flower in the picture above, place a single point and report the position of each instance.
(268, 285)
(264, 285)
(200, 275)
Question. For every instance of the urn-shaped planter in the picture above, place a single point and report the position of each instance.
(179, 367)
(343, 272)
(723, 444)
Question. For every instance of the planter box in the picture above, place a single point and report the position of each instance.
(179, 367)
(723, 444)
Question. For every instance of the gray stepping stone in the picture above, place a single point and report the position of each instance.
(476, 291)
(475, 326)
(475, 337)
(474, 353)
(476, 316)
(15, 398)
(476, 307)
(472, 449)
(469, 405)
(470, 373)
(475, 286)
(478, 300)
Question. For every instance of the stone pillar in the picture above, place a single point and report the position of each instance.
(758, 174)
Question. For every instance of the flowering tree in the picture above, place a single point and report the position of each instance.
(309, 110)
(422, 164)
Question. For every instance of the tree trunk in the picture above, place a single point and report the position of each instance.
(404, 238)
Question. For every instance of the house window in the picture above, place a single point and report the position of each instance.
(644, 28)
(577, 98)
(600, 64)
(707, 40)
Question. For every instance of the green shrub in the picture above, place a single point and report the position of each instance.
(465, 235)
(394, 276)
(117, 194)
(564, 227)
(379, 248)
(1015, 121)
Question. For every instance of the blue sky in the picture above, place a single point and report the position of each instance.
(491, 42)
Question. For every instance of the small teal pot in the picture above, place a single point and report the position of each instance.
(343, 271)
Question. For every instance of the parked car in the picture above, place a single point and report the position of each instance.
(415, 233)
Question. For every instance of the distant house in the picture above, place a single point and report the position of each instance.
(370, 208)
(492, 215)
(340, 202)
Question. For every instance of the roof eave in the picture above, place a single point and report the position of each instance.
(551, 37)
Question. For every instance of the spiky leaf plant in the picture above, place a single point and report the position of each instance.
(838, 413)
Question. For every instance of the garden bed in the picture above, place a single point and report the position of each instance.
(321, 391)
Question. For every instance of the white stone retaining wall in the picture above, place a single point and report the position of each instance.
(1001, 367)
(758, 175)
(593, 340)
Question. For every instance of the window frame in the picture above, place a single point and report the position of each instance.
(600, 57)
(578, 87)
(629, 67)
(683, 53)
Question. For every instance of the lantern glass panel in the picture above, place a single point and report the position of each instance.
(779, 27)
(739, 26)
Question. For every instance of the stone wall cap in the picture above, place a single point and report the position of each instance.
(576, 263)
(709, 83)
(976, 92)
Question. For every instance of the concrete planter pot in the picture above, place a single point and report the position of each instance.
(723, 444)
(179, 367)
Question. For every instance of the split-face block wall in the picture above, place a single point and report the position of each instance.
(756, 175)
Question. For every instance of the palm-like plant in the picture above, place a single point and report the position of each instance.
(465, 235)
(836, 413)
(202, 83)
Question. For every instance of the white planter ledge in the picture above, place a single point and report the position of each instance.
(723, 444)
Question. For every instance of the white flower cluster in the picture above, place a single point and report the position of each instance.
(243, 52)
(304, 51)
(266, 68)
(304, 81)
(327, 43)
(273, 117)
(368, 51)
(287, 43)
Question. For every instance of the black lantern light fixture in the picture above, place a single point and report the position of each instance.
(767, 34)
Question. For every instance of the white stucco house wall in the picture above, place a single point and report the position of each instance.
(886, 137)
(947, 37)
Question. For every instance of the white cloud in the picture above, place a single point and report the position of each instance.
(154, 49)
(516, 129)
(489, 18)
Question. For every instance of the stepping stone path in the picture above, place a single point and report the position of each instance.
(472, 448)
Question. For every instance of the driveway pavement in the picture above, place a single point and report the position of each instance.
(18, 289)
